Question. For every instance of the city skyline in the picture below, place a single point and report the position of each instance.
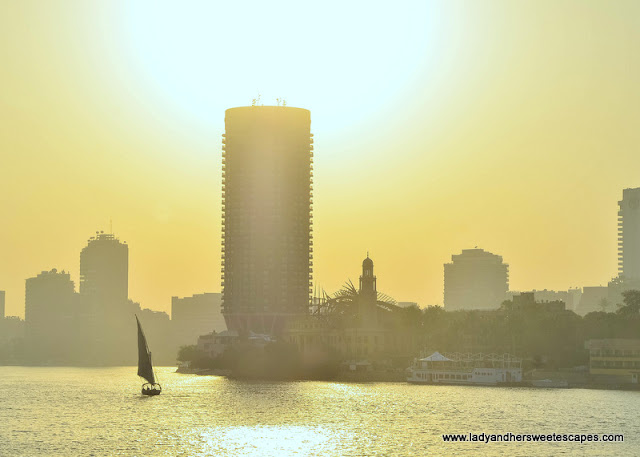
(105, 240)
(101, 233)
(469, 140)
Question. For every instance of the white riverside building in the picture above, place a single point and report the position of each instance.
(466, 368)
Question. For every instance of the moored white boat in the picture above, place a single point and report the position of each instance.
(467, 369)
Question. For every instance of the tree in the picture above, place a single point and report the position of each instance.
(603, 304)
(188, 353)
(631, 306)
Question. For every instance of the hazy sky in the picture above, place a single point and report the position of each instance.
(439, 126)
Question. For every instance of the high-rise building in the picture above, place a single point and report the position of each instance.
(629, 234)
(475, 279)
(2, 304)
(50, 307)
(195, 316)
(104, 269)
(267, 216)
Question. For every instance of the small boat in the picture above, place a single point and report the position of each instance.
(145, 369)
(550, 383)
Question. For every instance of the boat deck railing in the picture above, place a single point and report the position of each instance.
(474, 360)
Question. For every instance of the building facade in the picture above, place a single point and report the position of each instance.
(570, 297)
(629, 234)
(196, 315)
(614, 360)
(214, 344)
(628, 250)
(475, 279)
(267, 216)
(104, 269)
(357, 339)
(50, 309)
(527, 301)
(594, 298)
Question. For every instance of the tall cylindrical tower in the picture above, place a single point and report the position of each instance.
(267, 163)
(629, 234)
(104, 270)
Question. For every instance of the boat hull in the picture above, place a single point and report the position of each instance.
(151, 393)
(151, 390)
(467, 383)
(550, 383)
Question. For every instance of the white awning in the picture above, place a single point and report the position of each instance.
(435, 357)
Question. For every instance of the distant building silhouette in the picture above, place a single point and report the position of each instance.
(195, 316)
(593, 298)
(407, 304)
(2, 310)
(628, 249)
(629, 234)
(50, 308)
(11, 340)
(527, 301)
(615, 289)
(475, 279)
(104, 290)
(266, 207)
(95, 327)
(104, 269)
(570, 297)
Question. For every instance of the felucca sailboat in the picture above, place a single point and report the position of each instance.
(145, 369)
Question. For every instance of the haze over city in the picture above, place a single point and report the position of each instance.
(438, 127)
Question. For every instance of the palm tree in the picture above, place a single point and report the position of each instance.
(341, 308)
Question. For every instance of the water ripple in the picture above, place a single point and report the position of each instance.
(100, 412)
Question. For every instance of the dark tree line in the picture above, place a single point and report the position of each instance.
(543, 337)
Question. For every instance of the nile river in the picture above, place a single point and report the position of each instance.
(100, 412)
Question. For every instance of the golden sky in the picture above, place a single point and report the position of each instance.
(439, 126)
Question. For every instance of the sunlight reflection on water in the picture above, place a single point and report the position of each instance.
(270, 441)
(100, 412)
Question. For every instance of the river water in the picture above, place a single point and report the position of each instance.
(100, 412)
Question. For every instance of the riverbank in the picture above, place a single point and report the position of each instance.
(400, 377)
(342, 376)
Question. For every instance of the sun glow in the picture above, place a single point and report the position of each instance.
(438, 125)
(205, 57)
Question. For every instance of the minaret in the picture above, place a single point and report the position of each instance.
(367, 295)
